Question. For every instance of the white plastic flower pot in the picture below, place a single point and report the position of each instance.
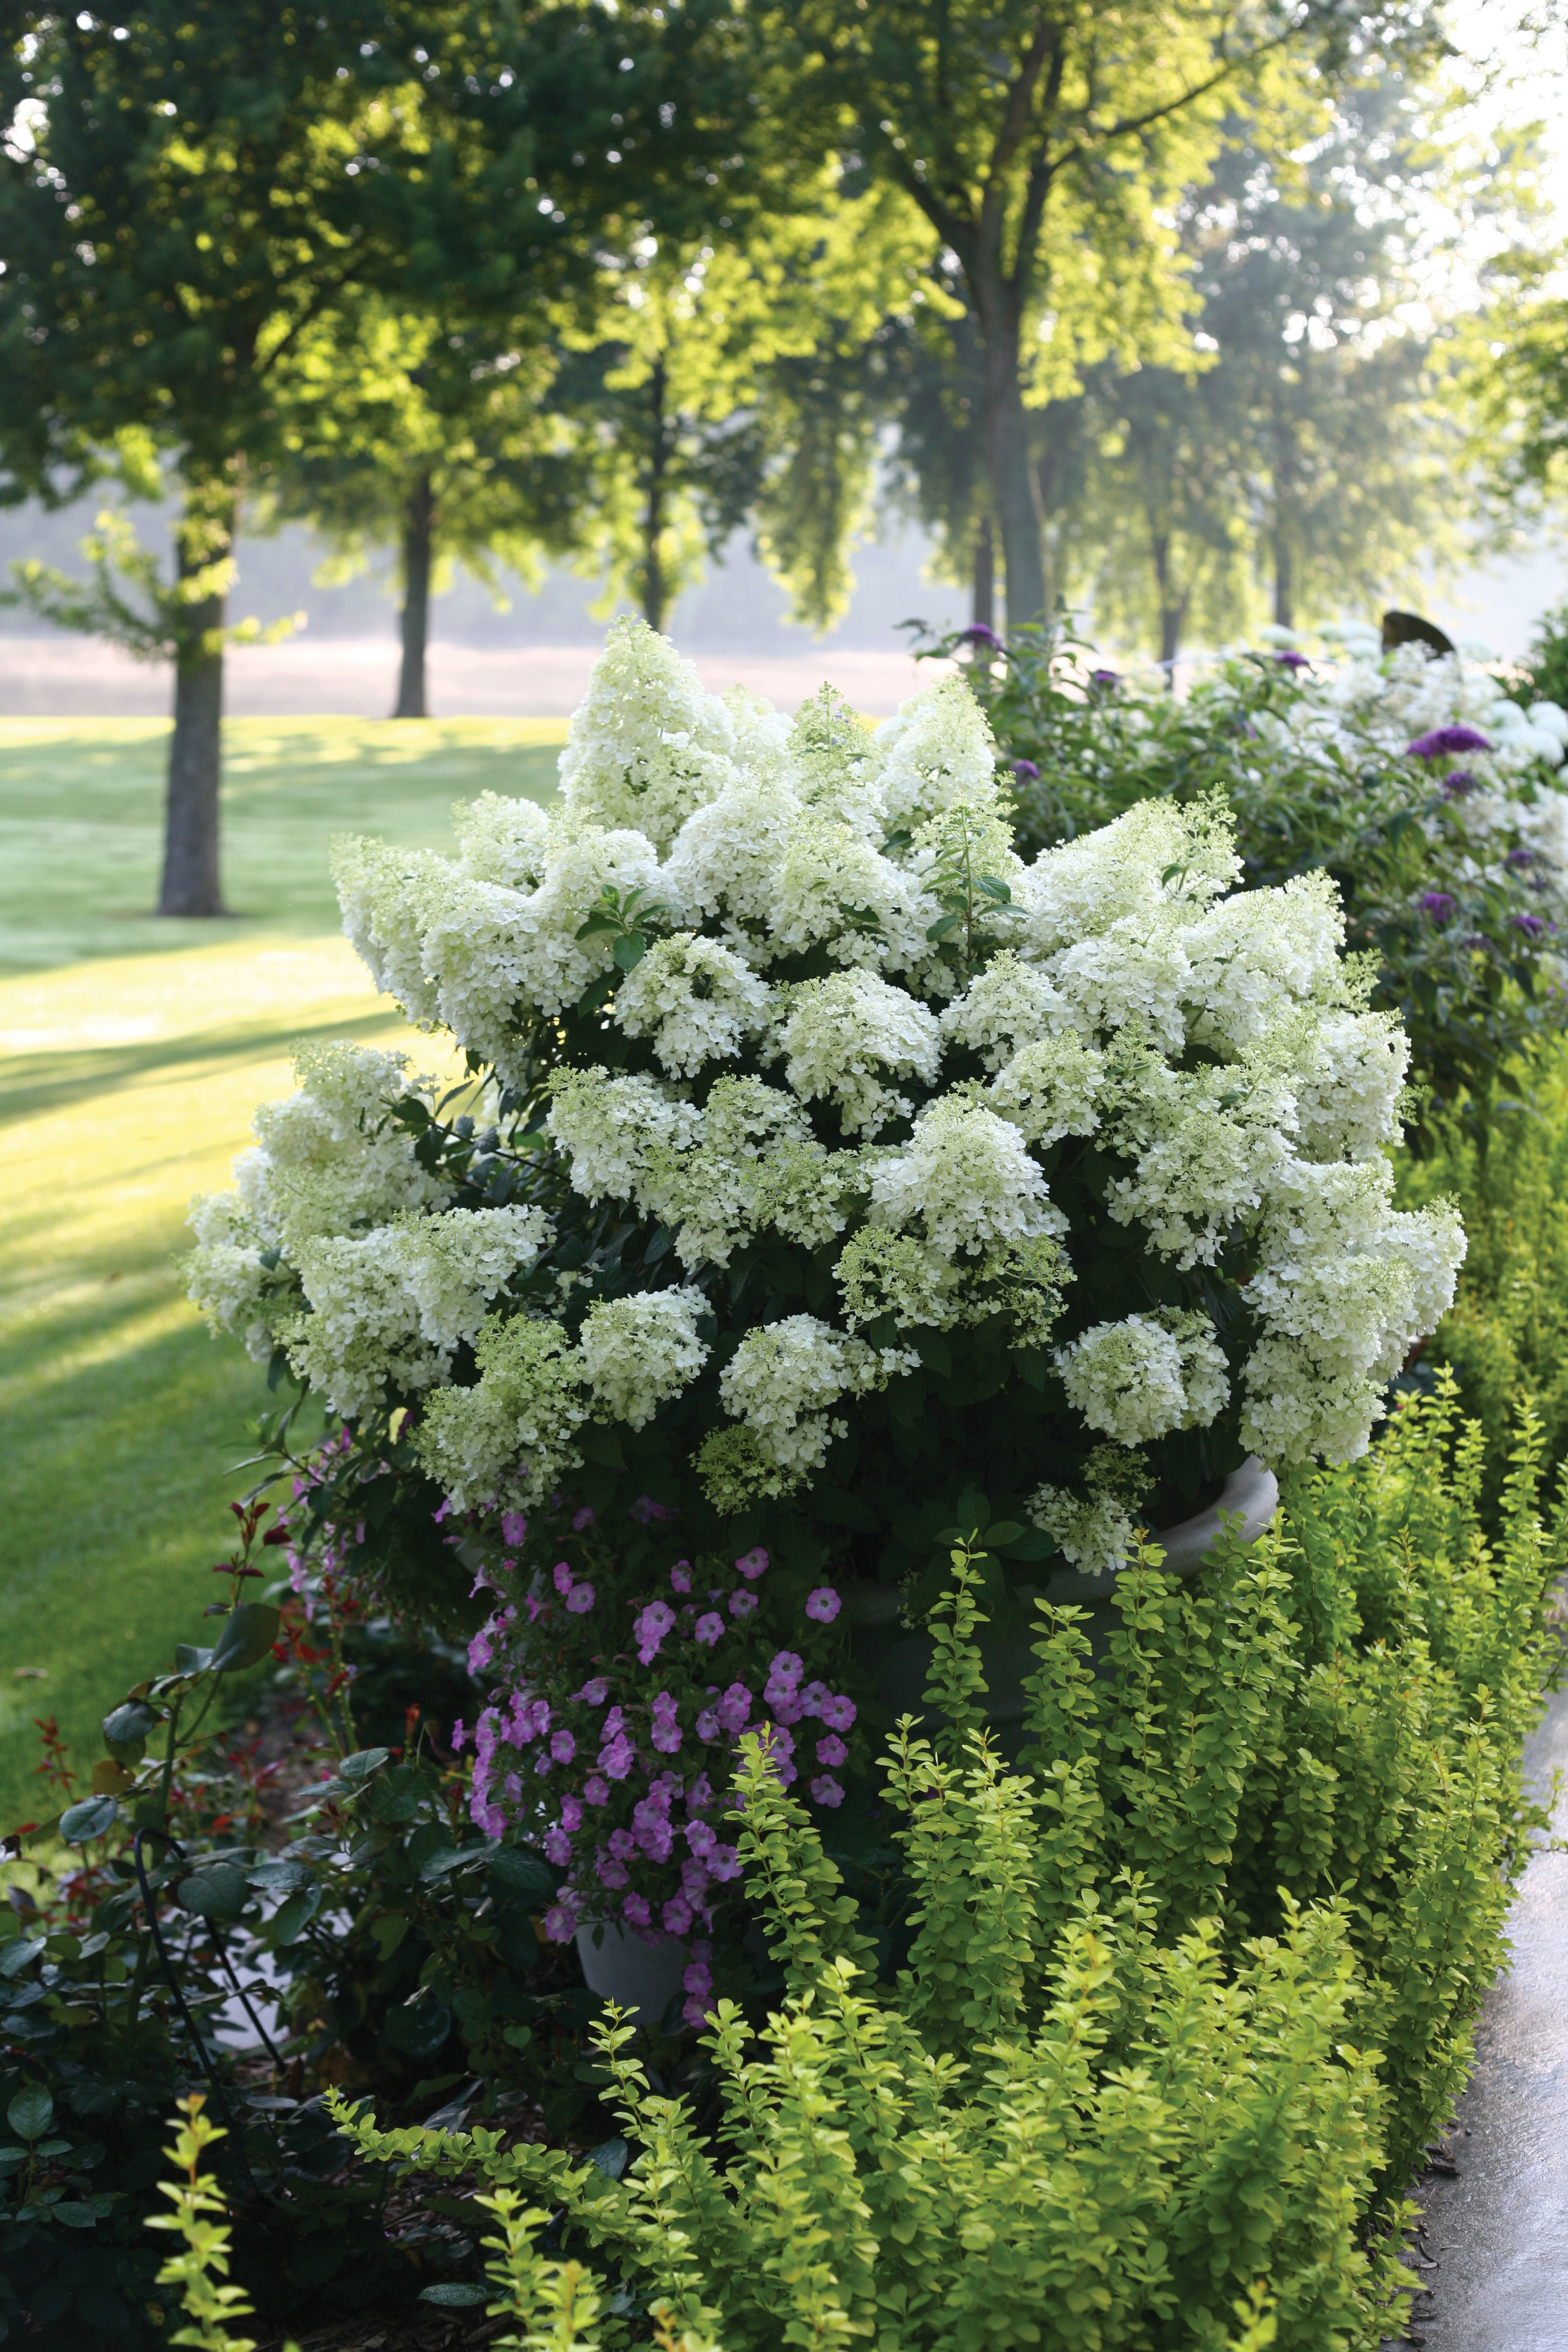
(901, 1661)
(639, 1978)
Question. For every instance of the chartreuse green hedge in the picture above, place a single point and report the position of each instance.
(1187, 1991)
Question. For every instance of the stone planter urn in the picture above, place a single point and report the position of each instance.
(901, 1660)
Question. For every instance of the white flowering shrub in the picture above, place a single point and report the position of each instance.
(1427, 786)
(841, 1177)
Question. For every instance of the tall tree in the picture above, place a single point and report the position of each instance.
(1045, 142)
(186, 195)
(726, 378)
(433, 441)
(1297, 462)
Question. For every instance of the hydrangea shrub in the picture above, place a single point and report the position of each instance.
(1429, 789)
(843, 1176)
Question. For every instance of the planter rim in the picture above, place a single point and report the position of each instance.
(1253, 1491)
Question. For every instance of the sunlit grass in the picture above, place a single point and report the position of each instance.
(81, 818)
(127, 1081)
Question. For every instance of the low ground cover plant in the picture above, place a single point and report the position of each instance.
(1428, 787)
(828, 1166)
(1185, 1995)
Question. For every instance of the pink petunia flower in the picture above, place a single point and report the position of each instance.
(753, 1564)
(649, 1629)
(824, 1604)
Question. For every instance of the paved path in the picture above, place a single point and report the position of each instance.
(1499, 2231)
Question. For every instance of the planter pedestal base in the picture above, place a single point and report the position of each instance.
(639, 1978)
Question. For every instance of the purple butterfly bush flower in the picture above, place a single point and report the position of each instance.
(1106, 681)
(1025, 771)
(1521, 859)
(1438, 742)
(1458, 784)
(1438, 905)
(1532, 926)
(1287, 660)
(1478, 940)
(980, 633)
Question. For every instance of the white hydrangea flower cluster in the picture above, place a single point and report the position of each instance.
(784, 1377)
(817, 1042)
(845, 1036)
(1137, 1380)
(637, 1351)
(326, 1160)
(390, 1308)
(694, 999)
(1094, 1522)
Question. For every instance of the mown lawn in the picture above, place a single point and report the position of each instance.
(132, 1054)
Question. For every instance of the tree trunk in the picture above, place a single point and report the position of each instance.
(1013, 496)
(655, 593)
(983, 602)
(1284, 583)
(1173, 609)
(418, 551)
(191, 883)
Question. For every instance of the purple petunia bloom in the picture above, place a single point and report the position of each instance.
(649, 1628)
(742, 1604)
(1025, 771)
(826, 1791)
(1439, 742)
(753, 1564)
(824, 1604)
(707, 1629)
(1438, 905)
(980, 633)
(1292, 661)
